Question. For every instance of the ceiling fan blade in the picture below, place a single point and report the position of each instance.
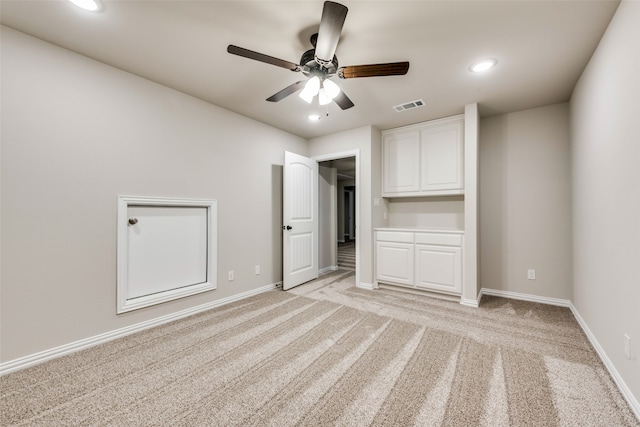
(374, 70)
(286, 92)
(343, 101)
(333, 16)
(240, 51)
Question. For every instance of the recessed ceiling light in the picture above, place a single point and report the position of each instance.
(90, 5)
(483, 65)
(314, 117)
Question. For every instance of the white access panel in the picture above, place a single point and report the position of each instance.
(167, 249)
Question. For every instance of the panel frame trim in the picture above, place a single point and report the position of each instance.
(123, 304)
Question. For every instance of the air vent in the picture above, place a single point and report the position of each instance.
(409, 105)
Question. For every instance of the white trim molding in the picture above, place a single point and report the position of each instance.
(369, 286)
(43, 356)
(524, 297)
(622, 386)
(124, 303)
(343, 155)
(327, 269)
(468, 302)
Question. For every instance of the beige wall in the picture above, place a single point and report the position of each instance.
(377, 213)
(445, 212)
(605, 127)
(525, 202)
(327, 183)
(75, 134)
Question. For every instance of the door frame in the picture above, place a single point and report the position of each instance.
(342, 155)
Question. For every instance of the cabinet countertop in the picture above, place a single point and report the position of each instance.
(420, 230)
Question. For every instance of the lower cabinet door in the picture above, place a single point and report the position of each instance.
(395, 262)
(439, 268)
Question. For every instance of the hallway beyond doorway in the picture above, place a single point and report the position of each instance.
(347, 255)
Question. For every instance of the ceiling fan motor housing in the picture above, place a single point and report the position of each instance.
(311, 67)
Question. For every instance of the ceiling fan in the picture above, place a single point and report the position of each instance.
(320, 63)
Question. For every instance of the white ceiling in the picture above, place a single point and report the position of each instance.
(541, 47)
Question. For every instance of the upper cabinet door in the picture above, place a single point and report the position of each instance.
(425, 159)
(442, 156)
(401, 162)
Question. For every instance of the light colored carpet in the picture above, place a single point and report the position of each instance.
(347, 255)
(329, 354)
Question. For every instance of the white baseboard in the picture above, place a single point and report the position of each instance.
(369, 286)
(469, 302)
(327, 269)
(524, 297)
(622, 386)
(43, 356)
(475, 303)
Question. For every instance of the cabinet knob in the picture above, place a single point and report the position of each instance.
(133, 221)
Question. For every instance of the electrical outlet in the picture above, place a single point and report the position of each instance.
(627, 346)
(257, 269)
(531, 274)
(230, 275)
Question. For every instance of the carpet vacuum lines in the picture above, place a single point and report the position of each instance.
(329, 354)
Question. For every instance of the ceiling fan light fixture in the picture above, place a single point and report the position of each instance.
(90, 5)
(483, 65)
(311, 89)
(330, 88)
(323, 97)
(306, 96)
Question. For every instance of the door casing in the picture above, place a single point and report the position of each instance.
(342, 155)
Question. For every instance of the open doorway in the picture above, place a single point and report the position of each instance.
(346, 192)
(338, 207)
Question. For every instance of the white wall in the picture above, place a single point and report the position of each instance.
(525, 202)
(75, 134)
(605, 128)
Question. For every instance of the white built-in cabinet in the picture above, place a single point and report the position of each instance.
(395, 257)
(425, 159)
(430, 259)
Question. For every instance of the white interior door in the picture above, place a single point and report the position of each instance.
(300, 220)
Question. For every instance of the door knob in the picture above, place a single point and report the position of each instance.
(287, 227)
